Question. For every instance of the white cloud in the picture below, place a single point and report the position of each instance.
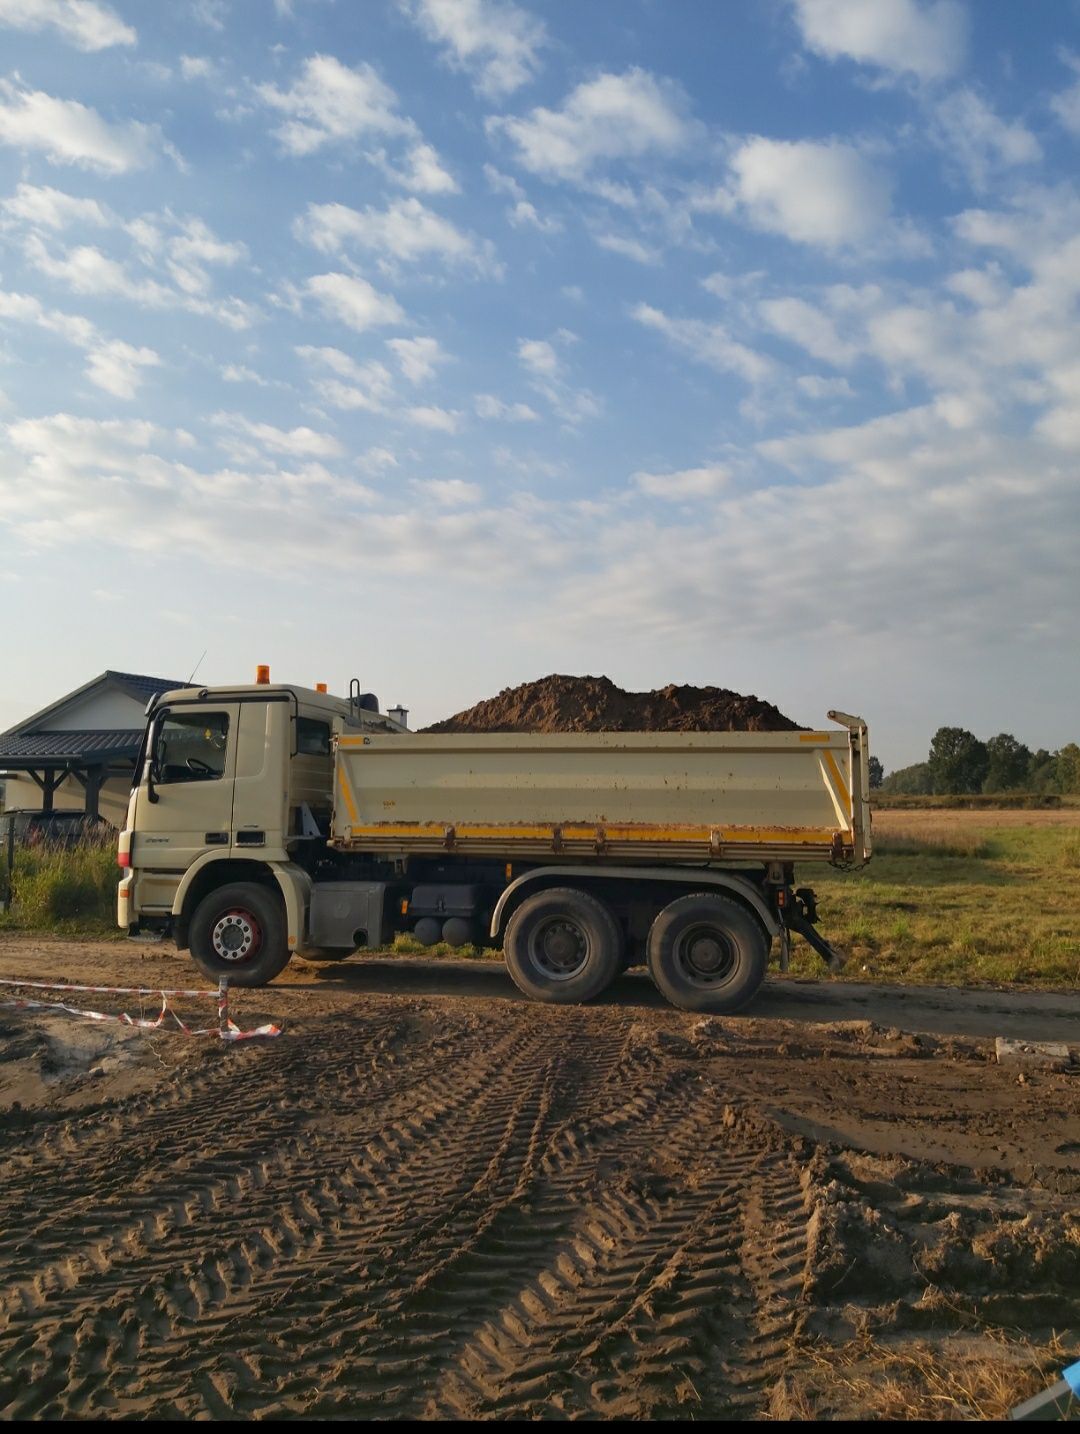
(973, 137)
(524, 215)
(539, 357)
(925, 38)
(489, 407)
(497, 44)
(709, 343)
(111, 364)
(628, 248)
(197, 67)
(296, 442)
(367, 386)
(417, 358)
(685, 484)
(68, 132)
(613, 117)
(331, 103)
(421, 170)
(451, 492)
(86, 24)
(1066, 105)
(195, 247)
(240, 373)
(406, 232)
(47, 208)
(811, 328)
(117, 367)
(354, 301)
(441, 420)
(816, 386)
(811, 193)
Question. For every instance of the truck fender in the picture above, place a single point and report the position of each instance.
(293, 880)
(694, 880)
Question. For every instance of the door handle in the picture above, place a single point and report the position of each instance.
(217, 838)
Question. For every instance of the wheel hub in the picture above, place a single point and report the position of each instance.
(559, 949)
(236, 936)
(706, 955)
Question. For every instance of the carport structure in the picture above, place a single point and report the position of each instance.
(78, 739)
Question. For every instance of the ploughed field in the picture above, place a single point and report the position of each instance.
(430, 1199)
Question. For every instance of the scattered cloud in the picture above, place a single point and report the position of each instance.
(420, 170)
(495, 42)
(977, 141)
(1066, 104)
(45, 208)
(709, 343)
(686, 484)
(296, 442)
(451, 492)
(524, 215)
(111, 365)
(354, 301)
(489, 407)
(406, 232)
(815, 385)
(441, 420)
(197, 67)
(539, 357)
(86, 24)
(926, 39)
(628, 248)
(613, 117)
(417, 358)
(329, 103)
(68, 132)
(827, 195)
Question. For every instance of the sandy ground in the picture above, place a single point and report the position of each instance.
(431, 1199)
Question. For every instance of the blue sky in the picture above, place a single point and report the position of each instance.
(453, 342)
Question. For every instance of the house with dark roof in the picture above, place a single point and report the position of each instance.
(79, 752)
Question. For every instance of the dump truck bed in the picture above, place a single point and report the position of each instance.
(625, 796)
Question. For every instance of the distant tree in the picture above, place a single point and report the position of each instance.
(1068, 765)
(1008, 763)
(911, 781)
(1043, 775)
(958, 761)
(877, 772)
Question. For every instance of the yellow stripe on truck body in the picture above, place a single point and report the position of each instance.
(641, 796)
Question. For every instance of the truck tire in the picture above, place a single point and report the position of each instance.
(707, 953)
(239, 931)
(563, 946)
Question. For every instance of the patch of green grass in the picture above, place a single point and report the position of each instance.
(68, 890)
(992, 906)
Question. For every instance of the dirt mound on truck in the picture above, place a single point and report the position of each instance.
(594, 704)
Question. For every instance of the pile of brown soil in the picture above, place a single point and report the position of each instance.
(595, 704)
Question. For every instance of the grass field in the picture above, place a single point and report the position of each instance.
(964, 897)
(956, 896)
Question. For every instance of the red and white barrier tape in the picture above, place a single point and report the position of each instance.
(226, 1028)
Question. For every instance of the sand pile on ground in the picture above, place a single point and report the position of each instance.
(594, 704)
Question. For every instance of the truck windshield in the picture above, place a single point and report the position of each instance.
(190, 747)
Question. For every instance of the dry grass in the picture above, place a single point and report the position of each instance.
(958, 1378)
(959, 897)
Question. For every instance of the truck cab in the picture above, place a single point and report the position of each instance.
(234, 787)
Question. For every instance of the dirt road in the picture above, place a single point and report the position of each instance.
(423, 1204)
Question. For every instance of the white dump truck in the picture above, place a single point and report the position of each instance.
(266, 820)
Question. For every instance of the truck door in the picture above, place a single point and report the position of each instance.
(184, 801)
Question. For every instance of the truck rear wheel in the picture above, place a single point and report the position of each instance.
(563, 946)
(239, 931)
(707, 953)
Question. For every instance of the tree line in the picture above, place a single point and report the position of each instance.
(959, 764)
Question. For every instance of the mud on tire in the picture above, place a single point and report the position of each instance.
(239, 931)
(563, 946)
(707, 953)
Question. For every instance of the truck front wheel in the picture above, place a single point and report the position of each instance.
(563, 946)
(707, 953)
(239, 931)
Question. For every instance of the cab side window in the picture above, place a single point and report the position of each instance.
(190, 747)
(312, 738)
